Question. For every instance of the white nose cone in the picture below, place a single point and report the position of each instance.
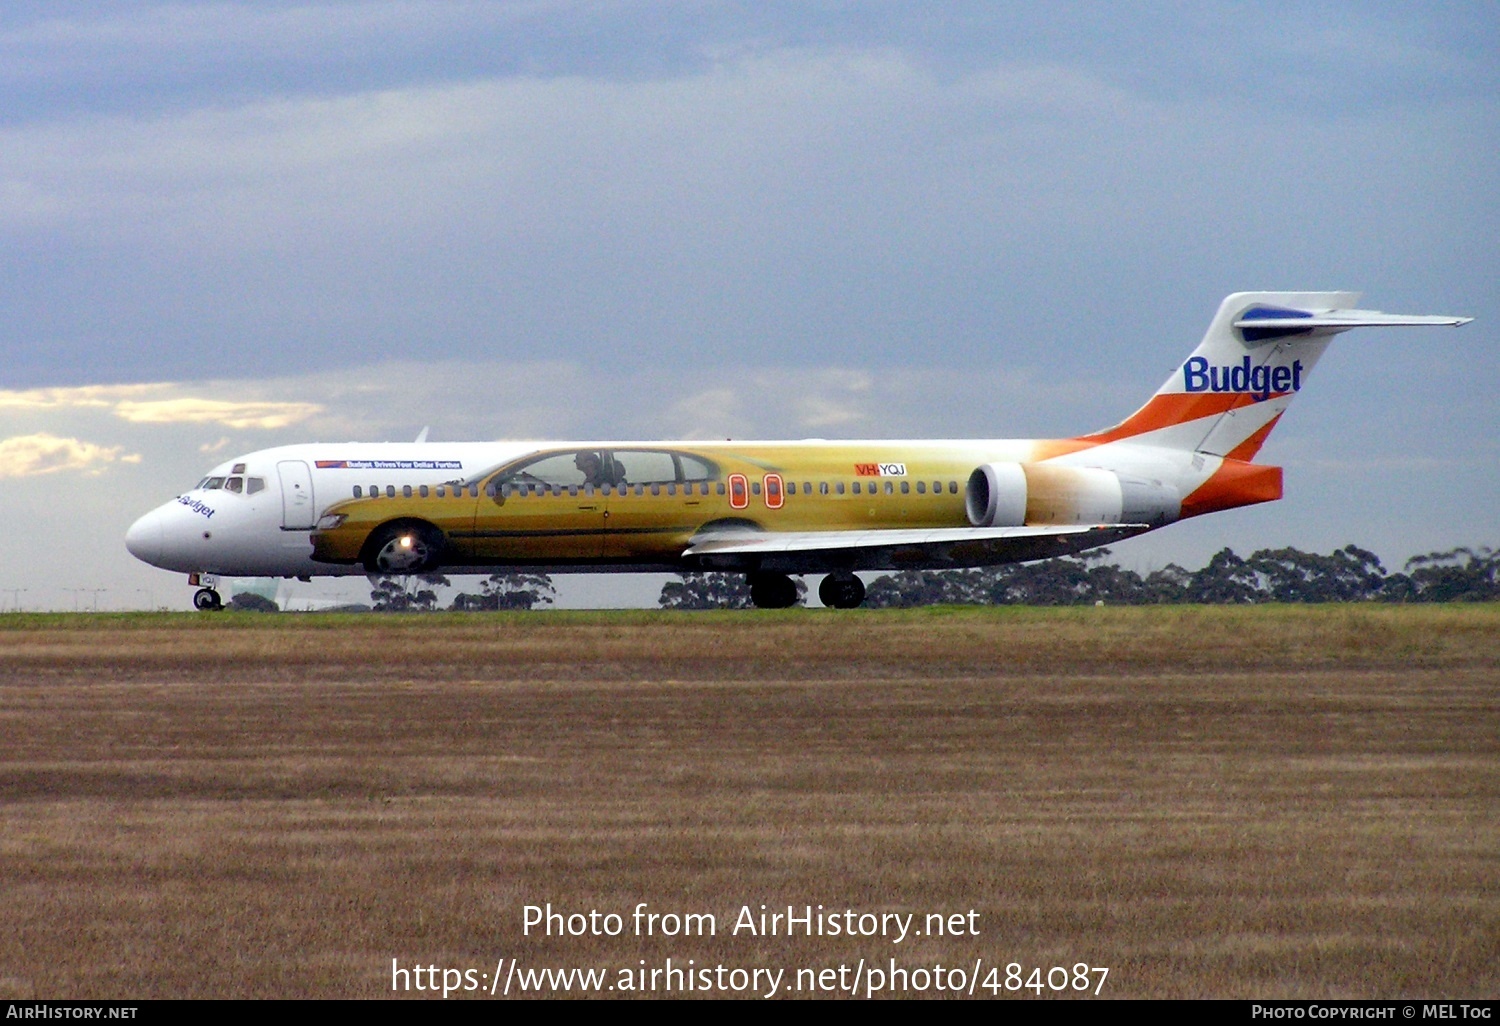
(144, 539)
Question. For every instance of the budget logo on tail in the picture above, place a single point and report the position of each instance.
(1262, 382)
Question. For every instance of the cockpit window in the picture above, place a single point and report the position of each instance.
(235, 484)
(254, 484)
(209, 484)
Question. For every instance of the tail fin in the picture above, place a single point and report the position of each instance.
(1259, 350)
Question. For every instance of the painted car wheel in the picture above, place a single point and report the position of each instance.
(403, 549)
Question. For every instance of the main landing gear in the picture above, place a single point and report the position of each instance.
(777, 591)
(772, 591)
(841, 591)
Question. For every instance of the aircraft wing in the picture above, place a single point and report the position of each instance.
(897, 548)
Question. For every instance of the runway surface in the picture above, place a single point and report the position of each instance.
(1292, 802)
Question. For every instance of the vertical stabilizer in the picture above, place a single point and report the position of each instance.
(1260, 348)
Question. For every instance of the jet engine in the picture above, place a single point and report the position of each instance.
(1034, 494)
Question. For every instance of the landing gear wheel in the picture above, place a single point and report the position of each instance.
(772, 591)
(207, 600)
(841, 591)
(403, 549)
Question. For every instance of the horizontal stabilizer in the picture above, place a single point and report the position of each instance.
(1344, 319)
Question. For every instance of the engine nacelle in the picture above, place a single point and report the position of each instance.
(1034, 494)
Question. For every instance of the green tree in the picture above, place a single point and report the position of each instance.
(1166, 586)
(507, 589)
(249, 602)
(1458, 575)
(708, 591)
(1350, 574)
(926, 588)
(1226, 580)
(406, 593)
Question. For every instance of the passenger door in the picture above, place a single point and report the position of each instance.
(297, 510)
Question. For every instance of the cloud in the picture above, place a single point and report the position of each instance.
(98, 396)
(127, 403)
(31, 455)
(267, 416)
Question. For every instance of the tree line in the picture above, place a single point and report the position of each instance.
(1350, 574)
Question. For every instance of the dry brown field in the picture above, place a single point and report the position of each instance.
(1264, 802)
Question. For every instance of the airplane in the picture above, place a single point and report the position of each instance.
(769, 510)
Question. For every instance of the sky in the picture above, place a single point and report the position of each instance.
(230, 226)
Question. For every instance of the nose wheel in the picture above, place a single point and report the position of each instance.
(207, 600)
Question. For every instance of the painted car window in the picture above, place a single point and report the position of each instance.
(644, 467)
(694, 469)
(560, 469)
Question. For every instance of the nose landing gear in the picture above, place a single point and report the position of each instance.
(207, 598)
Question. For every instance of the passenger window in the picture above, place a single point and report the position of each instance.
(423, 491)
(952, 487)
(406, 491)
(905, 488)
(755, 487)
(839, 488)
(823, 487)
(791, 487)
(890, 487)
(719, 488)
(254, 484)
(390, 491)
(358, 491)
(921, 487)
